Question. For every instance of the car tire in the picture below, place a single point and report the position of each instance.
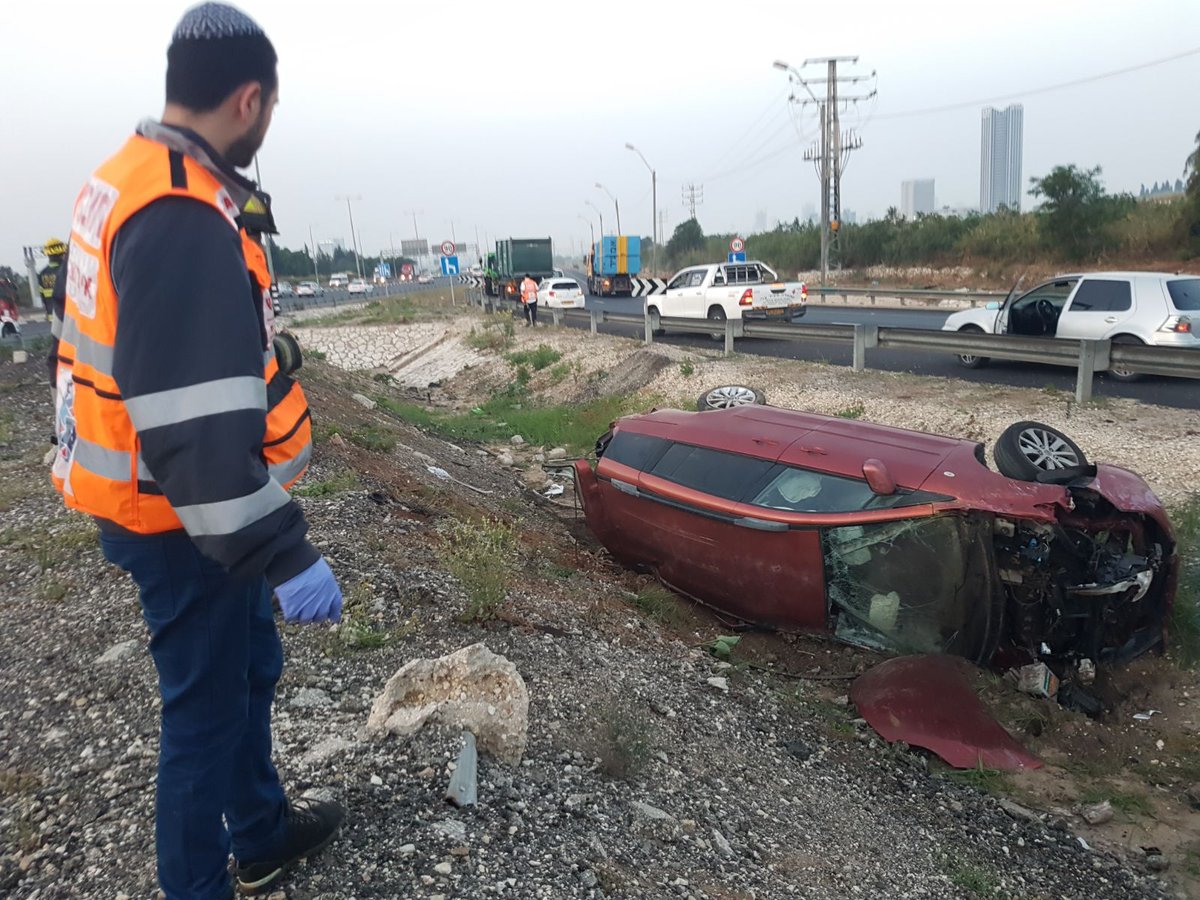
(287, 353)
(729, 396)
(966, 360)
(1125, 375)
(9, 330)
(715, 315)
(1026, 449)
(655, 321)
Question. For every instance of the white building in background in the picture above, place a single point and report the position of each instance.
(1000, 158)
(916, 197)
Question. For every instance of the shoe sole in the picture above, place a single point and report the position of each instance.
(262, 885)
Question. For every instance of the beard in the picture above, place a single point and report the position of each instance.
(241, 152)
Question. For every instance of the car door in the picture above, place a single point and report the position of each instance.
(1098, 309)
(1036, 312)
(684, 294)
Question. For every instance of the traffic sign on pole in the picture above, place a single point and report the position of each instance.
(448, 248)
(737, 245)
(737, 257)
(449, 263)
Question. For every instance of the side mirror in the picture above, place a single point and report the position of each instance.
(993, 305)
(879, 479)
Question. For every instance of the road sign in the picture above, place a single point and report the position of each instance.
(448, 248)
(406, 269)
(737, 257)
(449, 263)
(737, 245)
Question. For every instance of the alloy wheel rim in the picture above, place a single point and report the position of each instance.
(1046, 450)
(733, 395)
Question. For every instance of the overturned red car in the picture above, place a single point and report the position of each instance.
(888, 538)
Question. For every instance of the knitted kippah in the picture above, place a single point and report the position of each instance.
(213, 21)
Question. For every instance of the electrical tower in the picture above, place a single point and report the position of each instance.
(693, 196)
(833, 147)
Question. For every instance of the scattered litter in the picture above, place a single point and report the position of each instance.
(1160, 745)
(440, 473)
(1082, 843)
(1037, 679)
(1147, 715)
(1086, 671)
(555, 490)
(464, 785)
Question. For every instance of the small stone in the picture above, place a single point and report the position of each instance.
(1156, 862)
(121, 895)
(720, 683)
(460, 851)
(721, 843)
(452, 829)
(1098, 814)
(20, 356)
(407, 849)
(588, 879)
(426, 773)
(310, 698)
(506, 459)
(277, 895)
(443, 868)
(337, 440)
(557, 453)
(377, 781)
(364, 401)
(517, 440)
(1193, 796)
(1017, 811)
(118, 652)
(653, 813)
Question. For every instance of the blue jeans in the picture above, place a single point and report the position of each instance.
(218, 655)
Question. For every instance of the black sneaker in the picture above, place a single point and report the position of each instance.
(311, 826)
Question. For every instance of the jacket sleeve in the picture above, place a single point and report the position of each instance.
(188, 361)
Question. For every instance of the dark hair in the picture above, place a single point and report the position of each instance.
(202, 73)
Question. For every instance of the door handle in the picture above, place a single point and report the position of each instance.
(1110, 319)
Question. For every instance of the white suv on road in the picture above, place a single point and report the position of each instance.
(1153, 308)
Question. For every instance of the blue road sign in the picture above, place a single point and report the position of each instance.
(449, 265)
(737, 257)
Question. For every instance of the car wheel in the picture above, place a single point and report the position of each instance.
(1026, 449)
(968, 360)
(9, 330)
(287, 353)
(1125, 374)
(656, 321)
(716, 315)
(728, 396)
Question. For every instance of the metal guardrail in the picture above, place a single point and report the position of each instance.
(1085, 356)
(918, 296)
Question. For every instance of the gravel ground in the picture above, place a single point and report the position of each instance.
(641, 778)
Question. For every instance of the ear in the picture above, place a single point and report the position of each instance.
(247, 101)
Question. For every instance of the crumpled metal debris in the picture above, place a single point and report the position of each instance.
(464, 783)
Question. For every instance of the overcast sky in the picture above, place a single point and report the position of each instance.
(502, 117)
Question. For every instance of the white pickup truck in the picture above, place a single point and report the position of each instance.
(720, 291)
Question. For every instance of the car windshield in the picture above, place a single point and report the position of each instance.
(913, 586)
(802, 490)
(1185, 294)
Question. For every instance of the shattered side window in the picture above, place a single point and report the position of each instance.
(913, 586)
(803, 490)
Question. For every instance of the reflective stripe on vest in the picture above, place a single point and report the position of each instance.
(98, 467)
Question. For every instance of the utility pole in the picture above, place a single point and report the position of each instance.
(353, 233)
(693, 196)
(313, 244)
(270, 255)
(832, 149)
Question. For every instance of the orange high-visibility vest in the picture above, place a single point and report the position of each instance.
(528, 291)
(98, 467)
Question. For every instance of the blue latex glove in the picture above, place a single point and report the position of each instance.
(311, 596)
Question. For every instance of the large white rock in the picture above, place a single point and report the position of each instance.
(472, 689)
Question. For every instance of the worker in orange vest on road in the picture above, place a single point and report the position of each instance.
(529, 290)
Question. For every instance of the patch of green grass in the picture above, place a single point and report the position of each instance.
(496, 333)
(318, 355)
(559, 373)
(482, 555)
(686, 368)
(970, 877)
(1185, 615)
(52, 590)
(543, 357)
(988, 781)
(853, 411)
(562, 573)
(658, 603)
(1130, 804)
(323, 431)
(573, 427)
(6, 427)
(343, 481)
(623, 739)
(373, 439)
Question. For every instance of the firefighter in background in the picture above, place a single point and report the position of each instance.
(56, 256)
(529, 290)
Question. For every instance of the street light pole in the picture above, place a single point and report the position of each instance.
(615, 204)
(353, 233)
(653, 207)
(313, 244)
(270, 255)
(600, 214)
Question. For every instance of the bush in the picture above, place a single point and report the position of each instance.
(538, 359)
(482, 556)
(1185, 616)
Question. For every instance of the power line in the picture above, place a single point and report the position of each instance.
(966, 104)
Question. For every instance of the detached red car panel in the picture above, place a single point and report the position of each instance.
(886, 538)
